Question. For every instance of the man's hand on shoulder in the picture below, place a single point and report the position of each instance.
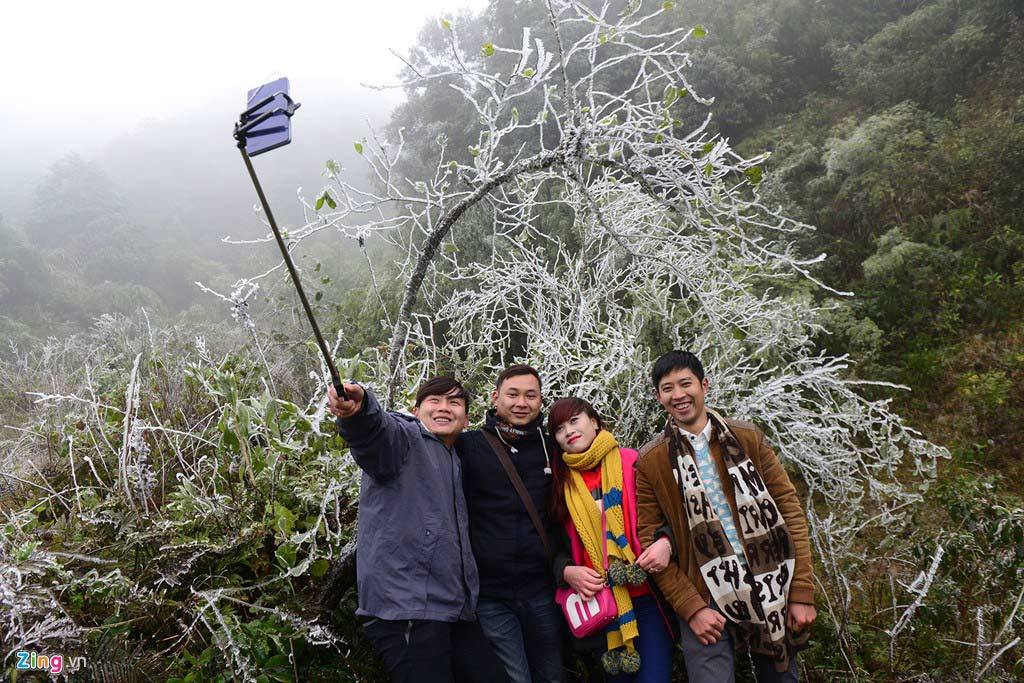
(800, 616)
(348, 407)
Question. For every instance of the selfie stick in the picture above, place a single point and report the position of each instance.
(253, 123)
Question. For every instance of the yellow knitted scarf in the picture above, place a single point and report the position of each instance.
(586, 517)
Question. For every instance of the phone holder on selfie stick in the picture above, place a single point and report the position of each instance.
(264, 126)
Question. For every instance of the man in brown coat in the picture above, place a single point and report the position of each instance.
(742, 553)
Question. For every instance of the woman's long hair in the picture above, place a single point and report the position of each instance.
(561, 411)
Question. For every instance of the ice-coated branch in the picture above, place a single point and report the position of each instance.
(922, 584)
(429, 249)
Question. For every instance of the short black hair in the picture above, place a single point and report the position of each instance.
(516, 371)
(442, 385)
(676, 360)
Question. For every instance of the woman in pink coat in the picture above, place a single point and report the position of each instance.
(594, 497)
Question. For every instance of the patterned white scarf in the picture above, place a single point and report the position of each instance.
(752, 596)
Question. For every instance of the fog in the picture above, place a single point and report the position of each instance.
(142, 99)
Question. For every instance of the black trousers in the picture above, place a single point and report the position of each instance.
(434, 651)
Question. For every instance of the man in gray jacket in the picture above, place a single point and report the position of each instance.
(417, 579)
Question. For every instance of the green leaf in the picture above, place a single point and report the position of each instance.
(451, 249)
(359, 147)
(528, 72)
(706, 149)
(319, 568)
(708, 169)
(671, 95)
(474, 151)
(284, 521)
(754, 174)
(325, 197)
(699, 31)
(446, 25)
(487, 50)
(230, 440)
(285, 554)
(668, 5)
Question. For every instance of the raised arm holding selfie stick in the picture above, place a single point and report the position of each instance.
(416, 576)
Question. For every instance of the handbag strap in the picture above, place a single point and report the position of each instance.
(517, 484)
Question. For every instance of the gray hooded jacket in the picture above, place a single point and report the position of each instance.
(414, 559)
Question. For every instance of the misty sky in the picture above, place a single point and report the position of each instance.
(78, 73)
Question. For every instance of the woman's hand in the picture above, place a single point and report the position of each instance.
(655, 558)
(583, 580)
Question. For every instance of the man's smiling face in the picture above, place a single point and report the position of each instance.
(517, 401)
(444, 416)
(682, 396)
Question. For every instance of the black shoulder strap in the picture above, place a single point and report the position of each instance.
(517, 484)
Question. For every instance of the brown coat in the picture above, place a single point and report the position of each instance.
(659, 502)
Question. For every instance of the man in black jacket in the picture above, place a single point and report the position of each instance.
(516, 610)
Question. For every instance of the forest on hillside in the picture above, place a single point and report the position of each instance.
(175, 503)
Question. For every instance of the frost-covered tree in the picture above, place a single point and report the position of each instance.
(668, 246)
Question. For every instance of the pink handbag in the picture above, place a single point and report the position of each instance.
(586, 617)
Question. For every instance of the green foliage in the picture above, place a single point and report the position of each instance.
(230, 524)
(928, 56)
(82, 257)
(992, 388)
(905, 284)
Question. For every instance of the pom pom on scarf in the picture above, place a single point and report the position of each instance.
(635, 575)
(611, 662)
(629, 662)
(618, 573)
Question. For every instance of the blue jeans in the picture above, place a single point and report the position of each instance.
(654, 645)
(527, 636)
